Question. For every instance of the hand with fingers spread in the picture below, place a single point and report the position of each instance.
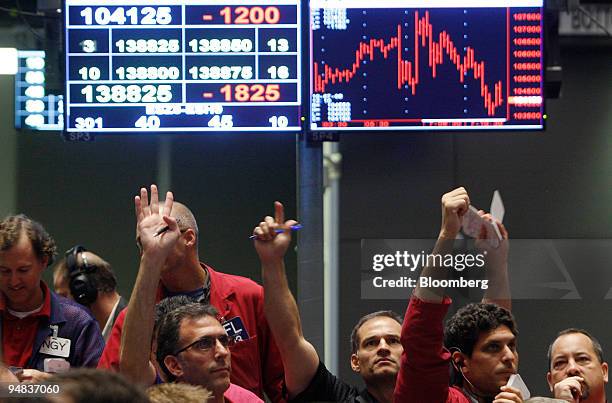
(270, 245)
(509, 395)
(134, 354)
(150, 220)
(454, 205)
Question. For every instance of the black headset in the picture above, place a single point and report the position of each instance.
(82, 286)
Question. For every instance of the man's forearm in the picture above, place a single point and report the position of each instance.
(280, 307)
(139, 320)
(298, 355)
(443, 246)
(499, 286)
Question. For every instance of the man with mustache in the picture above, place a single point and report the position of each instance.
(479, 340)
(257, 364)
(193, 348)
(577, 371)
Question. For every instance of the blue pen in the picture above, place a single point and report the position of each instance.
(278, 231)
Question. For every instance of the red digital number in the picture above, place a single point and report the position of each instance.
(251, 93)
(250, 15)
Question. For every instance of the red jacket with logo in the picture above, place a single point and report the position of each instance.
(256, 361)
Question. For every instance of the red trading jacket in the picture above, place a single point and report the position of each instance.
(256, 361)
(423, 375)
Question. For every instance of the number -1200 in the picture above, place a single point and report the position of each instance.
(252, 15)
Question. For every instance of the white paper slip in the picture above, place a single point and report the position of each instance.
(516, 382)
(497, 206)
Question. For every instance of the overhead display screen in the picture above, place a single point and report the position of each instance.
(34, 108)
(182, 65)
(426, 64)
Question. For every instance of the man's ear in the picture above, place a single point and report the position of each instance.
(355, 363)
(458, 360)
(551, 386)
(604, 368)
(190, 237)
(173, 365)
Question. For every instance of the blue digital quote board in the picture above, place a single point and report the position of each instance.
(426, 64)
(182, 65)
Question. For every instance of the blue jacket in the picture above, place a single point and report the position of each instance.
(75, 323)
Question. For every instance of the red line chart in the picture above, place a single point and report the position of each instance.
(437, 49)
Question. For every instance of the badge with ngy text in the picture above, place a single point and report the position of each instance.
(235, 328)
(57, 346)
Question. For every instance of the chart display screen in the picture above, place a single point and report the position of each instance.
(426, 65)
(182, 65)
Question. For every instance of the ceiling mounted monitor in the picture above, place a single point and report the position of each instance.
(182, 65)
(426, 65)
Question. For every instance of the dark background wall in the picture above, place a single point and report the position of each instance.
(83, 193)
(555, 184)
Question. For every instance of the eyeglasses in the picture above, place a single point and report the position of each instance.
(208, 342)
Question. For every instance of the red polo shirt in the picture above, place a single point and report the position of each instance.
(18, 335)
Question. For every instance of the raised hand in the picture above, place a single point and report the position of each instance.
(270, 245)
(150, 221)
(497, 262)
(494, 255)
(454, 205)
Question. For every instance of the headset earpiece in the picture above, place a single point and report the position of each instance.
(82, 286)
(456, 359)
(458, 364)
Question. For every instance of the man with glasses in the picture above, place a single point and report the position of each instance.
(167, 235)
(193, 348)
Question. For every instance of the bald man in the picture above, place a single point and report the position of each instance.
(256, 363)
(102, 297)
